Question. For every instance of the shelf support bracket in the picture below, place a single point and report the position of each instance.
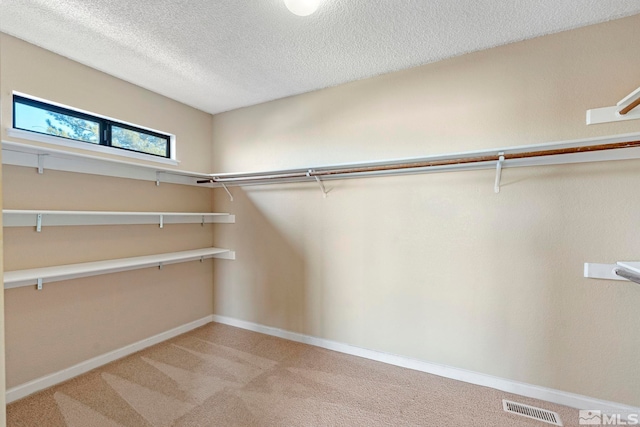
(39, 285)
(157, 179)
(41, 163)
(202, 223)
(227, 190)
(201, 259)
(626, 109)
(496, 186)
(39, 222)
(160, 265)
(319, 181)
(161, 221)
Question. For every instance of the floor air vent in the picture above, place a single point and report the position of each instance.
(532, 412)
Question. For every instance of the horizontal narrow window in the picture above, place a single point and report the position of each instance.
(40, 117)
(136, 140)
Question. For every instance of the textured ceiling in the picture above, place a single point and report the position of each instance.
(218, 55)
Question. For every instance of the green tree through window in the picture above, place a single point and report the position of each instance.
(72, 127)
(137, 141)
(37, 116)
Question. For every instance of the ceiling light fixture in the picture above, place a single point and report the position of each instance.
(302, 7)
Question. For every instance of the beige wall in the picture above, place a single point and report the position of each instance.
(38, 72)
(70, 322)
(437, 267)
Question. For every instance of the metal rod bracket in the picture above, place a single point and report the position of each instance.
(227, 190)
(319, 181)
(496, 186)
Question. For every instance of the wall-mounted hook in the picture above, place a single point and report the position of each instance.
(496, 187)
(320, 183)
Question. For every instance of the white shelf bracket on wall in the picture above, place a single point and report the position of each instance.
(41, 163)
(626, 109)
(320, 183)
(39, 284)
(496, 187)
(213, 180)
(621, 270)
(228, 192)
(39, 222)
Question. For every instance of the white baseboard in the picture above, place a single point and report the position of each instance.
(523, 389)
(50, 380)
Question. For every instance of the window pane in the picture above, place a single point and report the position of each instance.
(138, 141)
(36, 119)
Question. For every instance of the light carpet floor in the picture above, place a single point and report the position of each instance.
(218, 375)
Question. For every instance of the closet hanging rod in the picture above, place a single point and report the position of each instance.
(629, 275)
(418, 164)
(630, 107)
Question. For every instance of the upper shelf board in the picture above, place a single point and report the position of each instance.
(26, 218)
(43, 158)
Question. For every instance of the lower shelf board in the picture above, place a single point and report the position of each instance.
(39, 276)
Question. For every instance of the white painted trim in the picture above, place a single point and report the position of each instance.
(78, 145)
(89, 113)
(50, 380)
(523, 389)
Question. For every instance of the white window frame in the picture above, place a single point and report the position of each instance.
(69, 143)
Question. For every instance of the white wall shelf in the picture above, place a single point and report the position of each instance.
(39, 276)
(44, 158)
(625, 109)
(621, 270)
(615, 147)
(46, 218)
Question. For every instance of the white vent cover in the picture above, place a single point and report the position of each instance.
(531, 412)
